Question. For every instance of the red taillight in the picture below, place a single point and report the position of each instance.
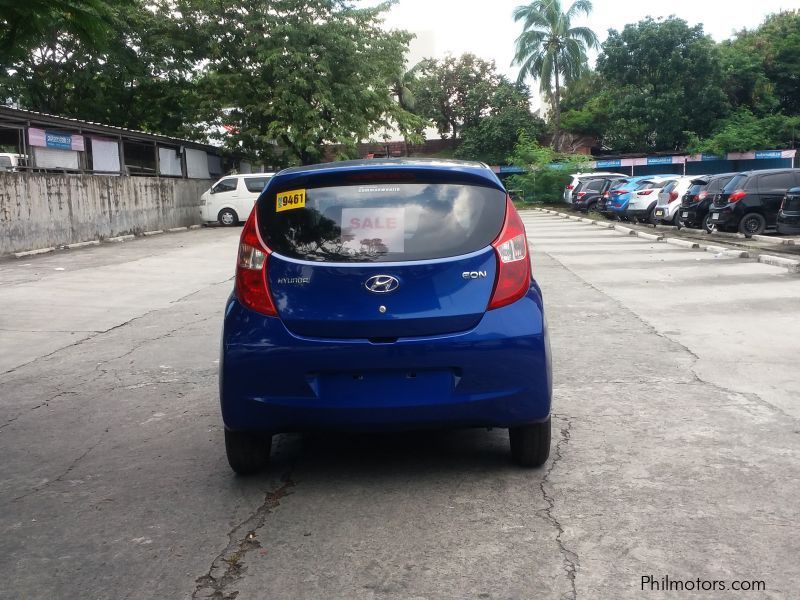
(646, 192)
(581, 194)
(737, 195)
(673, 196)
(606, 196)
(569, 186)
(701, 196)
(252, 288)
(618, 192)
(513, 267)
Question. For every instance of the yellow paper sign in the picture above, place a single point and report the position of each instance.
(290, 200)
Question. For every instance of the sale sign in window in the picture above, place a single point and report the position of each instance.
(373, 230)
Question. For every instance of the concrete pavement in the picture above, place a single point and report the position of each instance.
(114, 483)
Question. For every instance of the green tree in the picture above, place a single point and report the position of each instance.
(141, 79)
(454, 93)
(546, 171)
(493, 138)
(744, 131)
(550, 49)
(661, 79)
(762, 66)
(296, 74)
(24, 23)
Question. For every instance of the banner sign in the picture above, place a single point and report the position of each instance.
(659, 160)
(705, 156)
(55, 139)
(769, 154)
(605, 164)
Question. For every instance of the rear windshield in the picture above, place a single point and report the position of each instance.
(717, 184)
(734, 184)
(618, 184)
(696, 188)
(382, 222)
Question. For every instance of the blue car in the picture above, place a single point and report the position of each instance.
(384, 295)
(620, 193)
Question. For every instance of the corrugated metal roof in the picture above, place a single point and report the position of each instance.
(19, 114)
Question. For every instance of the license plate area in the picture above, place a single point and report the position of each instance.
(402, 387)
(685, 214)
(715, 217)
(660, 213)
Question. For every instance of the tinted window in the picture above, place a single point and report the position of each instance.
(695, 189)
(256, 184)
(618, 184)
(777, 182)
(669, 186)
(716, 185)
(384, 222)
(226, 185)
(595, 185)
(734, 184)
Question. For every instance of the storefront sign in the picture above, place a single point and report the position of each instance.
(55, 139)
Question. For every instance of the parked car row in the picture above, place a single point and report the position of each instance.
(749, 202)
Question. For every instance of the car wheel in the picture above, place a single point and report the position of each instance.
(708, 225)
(676, 220)
(752, 224)
(227, 217)
(530, 444)
(248, 451)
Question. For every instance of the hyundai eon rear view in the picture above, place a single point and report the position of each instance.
(384, 295)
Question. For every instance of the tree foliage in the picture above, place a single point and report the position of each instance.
(297, 73)
(493, 138)
(546, 171)
(550, 49)
(454, 93)
(661, 78)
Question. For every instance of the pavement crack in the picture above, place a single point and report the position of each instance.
(228, 567)
(63, 474)
(568, 557)
(752, 397)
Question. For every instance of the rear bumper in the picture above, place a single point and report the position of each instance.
(788, 224)
(494, 375)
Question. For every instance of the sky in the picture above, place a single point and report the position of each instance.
(488, 30)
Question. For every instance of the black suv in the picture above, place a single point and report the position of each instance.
(750, 201)
(697, 200)
(588, 192)
(789, 216)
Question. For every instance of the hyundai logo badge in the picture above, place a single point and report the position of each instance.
(382, 284)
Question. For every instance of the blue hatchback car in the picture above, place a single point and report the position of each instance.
(620, 194)
(384, 295)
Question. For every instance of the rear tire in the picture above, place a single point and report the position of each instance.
(227, 217)
(248, 451)
(530, 444)
(752, 224)
(676, 220)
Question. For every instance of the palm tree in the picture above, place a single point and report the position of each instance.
(550, 50)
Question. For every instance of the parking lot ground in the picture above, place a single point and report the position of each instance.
(675, 450)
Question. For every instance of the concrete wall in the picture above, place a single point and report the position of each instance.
(40, 210)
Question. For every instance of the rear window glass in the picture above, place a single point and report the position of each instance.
(595, 185)
(670, 186)
(383, 222)
(734, 184)
(618, 184)
(695, 189)
(716, 185)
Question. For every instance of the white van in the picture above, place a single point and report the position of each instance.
(10, 162)
(230, 200)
